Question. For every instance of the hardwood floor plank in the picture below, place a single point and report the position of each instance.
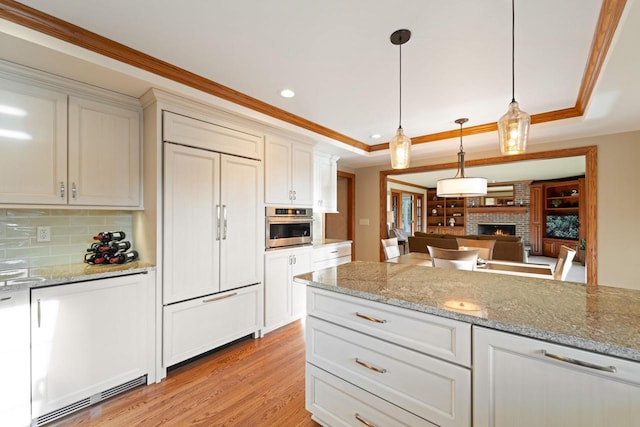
(250, 383)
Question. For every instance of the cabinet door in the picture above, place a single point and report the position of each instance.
(15, 390)
(104, 154)
(242, 241)
(535, 220)
(192, 223)
(277, 278)
(302, 175)
(36, 122)
(514, 380)
(302, 263)
(325, 192)
(86, 338)
(278, 181)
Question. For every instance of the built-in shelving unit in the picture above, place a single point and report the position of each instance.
(442, 210)
(557, 202)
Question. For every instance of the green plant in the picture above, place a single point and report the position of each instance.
(583, 244)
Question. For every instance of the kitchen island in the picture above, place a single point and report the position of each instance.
(422, 339)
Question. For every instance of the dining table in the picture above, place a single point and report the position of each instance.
(541, 271)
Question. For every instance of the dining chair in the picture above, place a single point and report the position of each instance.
(457, 259)
(565, 258)
(391, 249)
(485, 247)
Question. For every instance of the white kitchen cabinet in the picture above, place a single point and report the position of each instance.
(104, 154)
(80, 151)
(288, 173)
(284, 300)
(212, 223)
(543, 384)
(33, 164)
(331, 255)
(325, 191)
(202, 324)
(87, 338)
(418, 362)
(15, 392)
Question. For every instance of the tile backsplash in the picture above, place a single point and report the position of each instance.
(72, 233)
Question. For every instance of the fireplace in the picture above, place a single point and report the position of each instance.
(497, 229)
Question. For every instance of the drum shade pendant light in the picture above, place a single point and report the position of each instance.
(460, 185)
(400, 145)
(513, 127)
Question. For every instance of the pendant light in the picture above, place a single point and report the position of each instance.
(460, 185)
(513, 127)
(400, 145)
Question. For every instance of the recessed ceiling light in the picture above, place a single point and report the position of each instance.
(376, 136)
(287, 93)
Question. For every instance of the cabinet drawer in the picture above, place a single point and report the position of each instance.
(435, 390)
(335, 402)
(333, 262)
(196, 326)
(321, 253)
(437, 336)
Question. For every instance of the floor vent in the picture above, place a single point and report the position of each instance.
(81, 404)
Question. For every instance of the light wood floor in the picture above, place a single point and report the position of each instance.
(250, 383)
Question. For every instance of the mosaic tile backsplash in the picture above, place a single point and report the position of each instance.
(72, 233)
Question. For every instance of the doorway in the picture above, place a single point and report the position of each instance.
(341, 225)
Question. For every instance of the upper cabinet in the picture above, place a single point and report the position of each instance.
(62, 147)
(288, 173)
(104, 154)
(325, 192)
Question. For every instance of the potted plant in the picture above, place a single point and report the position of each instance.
(582, 246)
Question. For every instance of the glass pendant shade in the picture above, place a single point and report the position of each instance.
(462, 187)
(400, 149)
(513, 129)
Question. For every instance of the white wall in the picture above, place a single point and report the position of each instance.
(618, 222)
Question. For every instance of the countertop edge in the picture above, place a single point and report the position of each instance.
(517, 329)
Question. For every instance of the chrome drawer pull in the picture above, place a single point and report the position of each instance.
(369, 318)
(219, 298)
(5, 299)
(363, 421)
(611, 369)
(370, 367)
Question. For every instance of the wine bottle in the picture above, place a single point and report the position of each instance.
(122, 257)
(95, 258)
(108, 236)
(120, 246)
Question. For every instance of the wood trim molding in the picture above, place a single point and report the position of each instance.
(609, 18)
(591, 189)
(47, 24)
(498, 209)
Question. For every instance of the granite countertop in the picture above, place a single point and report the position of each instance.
(62, 274)
(597, 318)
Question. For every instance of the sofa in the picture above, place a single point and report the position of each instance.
(507, 248)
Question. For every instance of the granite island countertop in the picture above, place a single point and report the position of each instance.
(596, 318)
(70, 273)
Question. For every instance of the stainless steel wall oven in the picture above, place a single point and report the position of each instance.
(288, 227)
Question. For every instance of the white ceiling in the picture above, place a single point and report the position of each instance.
(337, 57)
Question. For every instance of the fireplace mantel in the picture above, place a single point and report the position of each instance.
(498, 209)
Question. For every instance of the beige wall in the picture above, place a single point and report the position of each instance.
(618, 203)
